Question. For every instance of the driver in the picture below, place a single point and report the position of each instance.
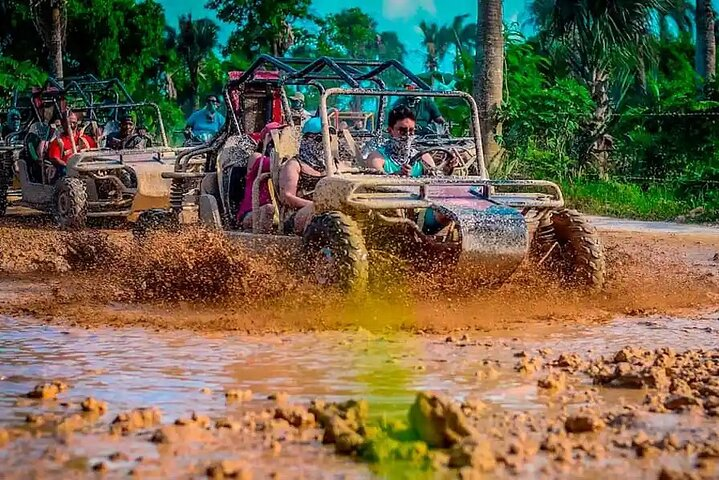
(398, 155)
(297, 105)
(425, 111)
(207, 121)
(127, 137)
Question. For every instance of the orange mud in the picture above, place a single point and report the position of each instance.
(201, 280)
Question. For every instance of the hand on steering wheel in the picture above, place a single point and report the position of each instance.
(449, 158)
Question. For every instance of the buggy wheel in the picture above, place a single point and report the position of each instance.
(154, 220)
(569, 245)
(70, 203)
(334, 246)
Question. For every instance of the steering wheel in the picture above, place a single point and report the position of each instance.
(442, 156)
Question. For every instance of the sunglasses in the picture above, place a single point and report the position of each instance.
(216, 102)
(406, 131)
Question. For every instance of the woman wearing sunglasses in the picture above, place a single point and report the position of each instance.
(397, 155)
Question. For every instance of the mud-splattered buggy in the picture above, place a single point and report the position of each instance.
(100, 182)
(495, 224)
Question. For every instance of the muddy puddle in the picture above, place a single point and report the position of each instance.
(183, 372)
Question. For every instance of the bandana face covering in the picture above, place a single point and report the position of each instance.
(312, 153)
(401, 149)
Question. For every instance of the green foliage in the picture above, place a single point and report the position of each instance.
(115, 38)
(19, 75)
(261, 26)
(541, 118)
(655, 202)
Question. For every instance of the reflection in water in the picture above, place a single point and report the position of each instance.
(135, 367)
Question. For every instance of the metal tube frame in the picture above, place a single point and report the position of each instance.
(483, 174)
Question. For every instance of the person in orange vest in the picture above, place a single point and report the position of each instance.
(60, 148)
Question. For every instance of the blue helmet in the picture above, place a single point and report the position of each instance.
(312, 125)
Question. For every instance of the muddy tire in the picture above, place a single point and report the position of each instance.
(154, 220)
(335, 249)
(70, 203)
(570, 247)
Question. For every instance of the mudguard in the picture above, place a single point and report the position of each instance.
(493, 237)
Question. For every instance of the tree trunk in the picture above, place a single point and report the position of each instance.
(596, 144)
(55, 43)
(705, 55)
(488, 76)
(194, 88)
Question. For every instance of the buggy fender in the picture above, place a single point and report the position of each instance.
(495, 237)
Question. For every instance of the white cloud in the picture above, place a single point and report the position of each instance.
(405, 9)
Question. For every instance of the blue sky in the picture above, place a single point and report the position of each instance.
(401, 16)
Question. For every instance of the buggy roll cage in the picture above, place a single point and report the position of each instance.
(86, 88)
(330, 164)
(302, 71)
(345, 70)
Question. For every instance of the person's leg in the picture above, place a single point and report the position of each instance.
(60, 172)
(434, 221)
(303, 217)
(267, 217)
(247, 221)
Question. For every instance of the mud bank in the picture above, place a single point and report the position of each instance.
(202, 281)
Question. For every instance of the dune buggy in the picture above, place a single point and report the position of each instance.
(495, 223)
(101, 182)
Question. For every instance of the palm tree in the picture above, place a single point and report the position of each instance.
(436, 45)
(194, 41)
(705, 59)
(50, 19)
(489, 75)
(598, 39)
(681, 12)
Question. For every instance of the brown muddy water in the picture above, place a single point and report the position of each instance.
(502, 355)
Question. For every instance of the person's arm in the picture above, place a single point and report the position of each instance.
(434, 114)
(54, 153)
(289, 178)
(191, 120)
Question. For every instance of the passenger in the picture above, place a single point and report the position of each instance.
(297, 105)
(38, 139)
(425, 112)
(60, 149)
(12, 124)
(206, 122)
(127, 137)
(259, 163)
(299, 177)
(398, 155)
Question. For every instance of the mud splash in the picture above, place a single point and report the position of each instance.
(202, 280)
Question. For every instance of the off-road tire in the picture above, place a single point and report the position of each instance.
(70, 203)
(156, 219)
(341, 235)
(578, 257)
(6, 175)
